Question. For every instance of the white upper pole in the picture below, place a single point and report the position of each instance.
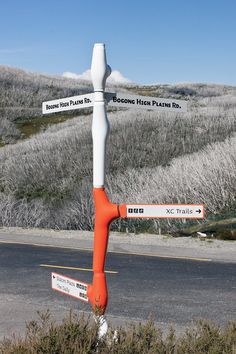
(100, 126)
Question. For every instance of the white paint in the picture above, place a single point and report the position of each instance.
(99, 68)
(69, 286)
(102, 326)
(100, 126)
(177, 211)
(144, 102)
(68, 103)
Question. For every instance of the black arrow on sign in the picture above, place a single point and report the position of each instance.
(198, 211)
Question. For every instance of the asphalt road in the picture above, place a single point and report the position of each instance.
(170, 290)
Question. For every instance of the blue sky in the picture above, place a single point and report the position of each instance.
(148, 41)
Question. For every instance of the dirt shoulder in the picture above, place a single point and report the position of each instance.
(152, 245)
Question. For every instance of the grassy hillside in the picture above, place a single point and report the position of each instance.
(21, 97)
(46, 180)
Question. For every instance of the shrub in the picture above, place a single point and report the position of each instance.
(77, 335)
(226, 234)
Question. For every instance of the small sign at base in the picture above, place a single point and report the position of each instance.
(70, 286)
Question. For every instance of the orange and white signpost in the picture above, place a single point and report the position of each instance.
(105, 211)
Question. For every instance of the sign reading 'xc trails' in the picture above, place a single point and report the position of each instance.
(116, 100)
(177, 211)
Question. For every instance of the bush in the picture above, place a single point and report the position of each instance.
(226, 234)
(77, 335)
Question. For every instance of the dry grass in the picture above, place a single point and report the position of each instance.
(79, 336)
(46, 181)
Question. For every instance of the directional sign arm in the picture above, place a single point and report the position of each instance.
(162, 211)
(68, 103)
(70, 286)
(114, 99)
(144, 102)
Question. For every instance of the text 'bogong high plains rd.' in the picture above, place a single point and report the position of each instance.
(123, 100)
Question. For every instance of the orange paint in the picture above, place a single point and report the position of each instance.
(105, 212)
(123, 211)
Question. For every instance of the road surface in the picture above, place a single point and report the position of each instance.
(170, 290)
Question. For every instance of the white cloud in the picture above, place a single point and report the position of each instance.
(85, 76)
(115, 78)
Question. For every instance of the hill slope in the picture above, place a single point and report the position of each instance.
(46, 180)
(22, 94)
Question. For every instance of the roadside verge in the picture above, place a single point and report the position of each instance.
(141, 244)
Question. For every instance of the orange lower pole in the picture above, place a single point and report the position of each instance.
(105, 212)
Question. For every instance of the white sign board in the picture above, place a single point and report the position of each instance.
(68, 103)
(70, 286)
(115, 100)
(145, 102)
(178, 211)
